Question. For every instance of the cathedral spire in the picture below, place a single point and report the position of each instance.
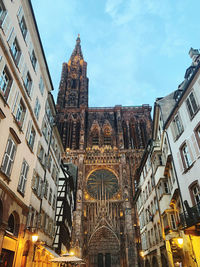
(77, 50)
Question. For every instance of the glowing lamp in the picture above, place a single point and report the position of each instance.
(71, 253)
(180, 241)
(142, 254)
(35, 238)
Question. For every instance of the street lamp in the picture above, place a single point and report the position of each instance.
(180, 241)
(34, 239)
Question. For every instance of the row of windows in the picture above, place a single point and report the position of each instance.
(38, 185)
(6, 82)
(192, 108)
(152, 237)
(147, 215)
(40, 221)
(189, 149)
(41, 189)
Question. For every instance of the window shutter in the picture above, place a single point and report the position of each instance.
(180, 162)
(28, 222)
(25, 118)
(190, 149)
(28, 130)
(11, 95)
(20, 64)
(24, 72)
(11, 37)
(2, 64)
(36, 67)
(30, 46)
(6, 156)
(6, 24)
(27, 39)
(15, 102)
(20, 13)
(31, 90)
(195, 146)
(12, 155)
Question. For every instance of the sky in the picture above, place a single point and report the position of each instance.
(136, 50)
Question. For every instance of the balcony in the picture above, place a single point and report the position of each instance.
(190, 217)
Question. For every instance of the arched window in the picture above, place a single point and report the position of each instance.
(95, 137)
(125, 134)
(107, 136)
(13, 223)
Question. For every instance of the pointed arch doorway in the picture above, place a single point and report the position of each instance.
(104, 248)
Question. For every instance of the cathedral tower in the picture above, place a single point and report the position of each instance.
(106, 144)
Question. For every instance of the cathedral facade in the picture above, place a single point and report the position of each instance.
(106, 144)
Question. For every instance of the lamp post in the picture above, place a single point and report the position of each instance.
(34, 240)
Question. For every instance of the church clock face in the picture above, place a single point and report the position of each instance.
(102, 184)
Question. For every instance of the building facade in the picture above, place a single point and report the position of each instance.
(170, 163)
(106, 144)
(30, 148)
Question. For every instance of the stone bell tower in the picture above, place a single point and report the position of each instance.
(106, 144)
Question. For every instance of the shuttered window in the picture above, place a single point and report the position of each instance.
(191, 105)
(23, 177)
(8, 158)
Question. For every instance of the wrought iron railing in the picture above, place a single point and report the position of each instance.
(190, 217)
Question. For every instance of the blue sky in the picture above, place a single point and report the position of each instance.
(136, 50)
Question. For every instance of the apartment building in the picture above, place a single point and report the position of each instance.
(30, 147)
(174, 160)
(183, 130)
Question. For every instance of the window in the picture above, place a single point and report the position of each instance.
(15, 51)
(37, 185)
(5, 82)
(33, 59)
(37, 108)
(54, 202)
(195, 193)
(23, 27)
(28, 83)
(50, 196)
(172, 221)
(31, 138)
(46, 189)
(22, 23)
(49, 163)
(178, 127)
(191, 105)
(41, 154)
(95, 139)
(166, 188)
(21, 111)
(185, 155)
(2, 12)
(23, 177)
(8, 158)
(41, 86)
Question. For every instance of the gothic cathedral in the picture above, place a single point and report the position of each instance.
(106, 144)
